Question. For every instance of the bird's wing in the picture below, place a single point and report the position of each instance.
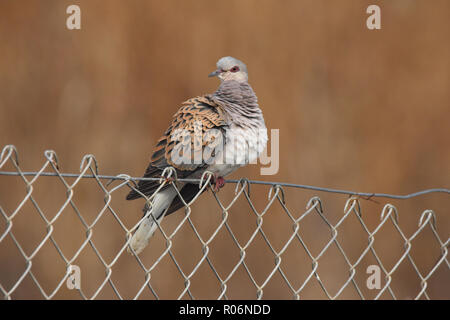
(189, 126)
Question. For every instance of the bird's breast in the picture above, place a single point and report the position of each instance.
(244, 145)
(241, 147)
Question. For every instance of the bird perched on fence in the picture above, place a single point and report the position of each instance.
(217, 132)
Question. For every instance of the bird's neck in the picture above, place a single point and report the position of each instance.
(240, 102)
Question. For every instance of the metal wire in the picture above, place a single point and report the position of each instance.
(267, 183)
(89, 170)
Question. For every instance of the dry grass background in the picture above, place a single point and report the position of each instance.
(357, 109)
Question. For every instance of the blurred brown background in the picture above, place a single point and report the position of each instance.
(357, 109)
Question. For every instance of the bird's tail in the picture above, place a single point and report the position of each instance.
(148, 227)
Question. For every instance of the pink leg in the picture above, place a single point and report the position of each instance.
(219, 182)
(169, 180)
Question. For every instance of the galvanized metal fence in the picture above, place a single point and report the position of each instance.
(11, 247)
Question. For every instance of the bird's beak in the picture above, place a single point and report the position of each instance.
(214, 73)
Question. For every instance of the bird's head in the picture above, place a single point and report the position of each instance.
(229, 68)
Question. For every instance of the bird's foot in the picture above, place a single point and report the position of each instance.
(219, 182)
(168, 180)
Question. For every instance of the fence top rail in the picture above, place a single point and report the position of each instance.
(367, 195)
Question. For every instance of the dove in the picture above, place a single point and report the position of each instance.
(218, 132)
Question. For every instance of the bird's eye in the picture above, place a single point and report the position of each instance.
(234, 69)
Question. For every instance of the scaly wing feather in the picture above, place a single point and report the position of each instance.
(187, 131)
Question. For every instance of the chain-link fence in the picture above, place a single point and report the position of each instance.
(66, 236)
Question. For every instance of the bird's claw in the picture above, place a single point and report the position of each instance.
(168, 180)
(219, 182)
